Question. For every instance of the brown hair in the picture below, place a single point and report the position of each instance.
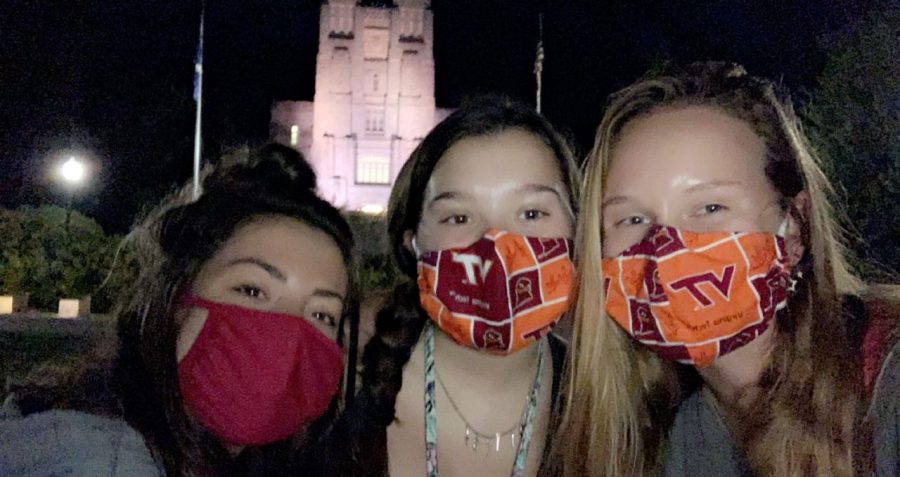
(620, 395)
(399, 323)
(139, 375)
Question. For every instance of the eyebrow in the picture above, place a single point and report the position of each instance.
(325, 293)
(539, 188)
(449, 195)
(616, 200)
(619, 199)
(712, 185)
(268, 267)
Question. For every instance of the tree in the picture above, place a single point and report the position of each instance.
(377, 271)
(38, 256)
(853, 117)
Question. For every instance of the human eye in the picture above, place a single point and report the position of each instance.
(456, 219)
(632, 220)
(534, 214)
(251, 291)
(323, 317)
(710, 209)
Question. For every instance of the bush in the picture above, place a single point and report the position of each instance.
(853, 118)
(39, 256)
(377, 271)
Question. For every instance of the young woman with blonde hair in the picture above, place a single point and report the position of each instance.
(706, 239)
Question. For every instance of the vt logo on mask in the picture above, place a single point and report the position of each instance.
(692, 297)
(470, 263)
(721, 284)
(500, 294)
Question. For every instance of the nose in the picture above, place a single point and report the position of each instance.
(664, 215)
(287, 304)
(502, 222)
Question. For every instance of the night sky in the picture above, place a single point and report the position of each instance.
(113, 80)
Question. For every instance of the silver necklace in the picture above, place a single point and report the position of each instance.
(474, 436)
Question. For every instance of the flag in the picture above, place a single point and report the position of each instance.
(198, 63)
(539, 62)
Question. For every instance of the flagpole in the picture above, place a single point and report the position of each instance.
(198, 97)
(539, 61)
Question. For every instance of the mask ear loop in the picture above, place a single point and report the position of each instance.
(797, 272)
(415, 247)
(782, 229)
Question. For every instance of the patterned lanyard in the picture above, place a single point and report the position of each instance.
(431, 464)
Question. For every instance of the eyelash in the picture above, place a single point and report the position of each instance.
(453, 219)
(705, 209)
(249, 290)
(538, 214)
(627, 221)
(325, 318)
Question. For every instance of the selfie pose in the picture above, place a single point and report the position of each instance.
(707, 239)
(463, 367)
(228, 359)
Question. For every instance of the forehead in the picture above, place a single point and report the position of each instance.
(512, 156)
(693, 143)
(298, 250)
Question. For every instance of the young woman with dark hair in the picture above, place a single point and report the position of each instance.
(228, 359)
(707, 239)
(462, 371)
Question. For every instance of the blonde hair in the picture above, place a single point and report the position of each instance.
(621, 397)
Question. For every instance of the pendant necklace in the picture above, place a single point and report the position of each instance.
(519, 435)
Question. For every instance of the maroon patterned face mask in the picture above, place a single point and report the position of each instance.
(500, 294)
(254, 377)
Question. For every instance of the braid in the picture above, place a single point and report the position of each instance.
(398, 326)
(397, 329)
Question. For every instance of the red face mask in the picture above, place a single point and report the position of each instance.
(500, 294)
(254, 377)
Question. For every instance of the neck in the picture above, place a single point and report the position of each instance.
(463, 366)
(734, 378)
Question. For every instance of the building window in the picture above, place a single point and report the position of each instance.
(376, 42)
(295, 133)
(374, 121)
(373, 170)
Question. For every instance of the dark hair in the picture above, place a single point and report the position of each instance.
(480, 116)
(172, 246)
(399, 324)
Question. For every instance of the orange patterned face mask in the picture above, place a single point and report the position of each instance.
(500, 294)
(692, 297)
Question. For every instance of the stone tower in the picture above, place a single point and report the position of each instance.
(374, 99)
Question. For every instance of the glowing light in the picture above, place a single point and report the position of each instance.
(72, 170)
(372, 209)
(295, 132)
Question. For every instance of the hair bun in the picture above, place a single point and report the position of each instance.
(275, 167)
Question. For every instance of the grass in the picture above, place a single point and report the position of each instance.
(20, 352)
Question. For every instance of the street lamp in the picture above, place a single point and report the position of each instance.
(72, 171)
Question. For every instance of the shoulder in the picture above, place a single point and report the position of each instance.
(699, 441)
(65, 442)
(882, 330)
(884, 414)
(691, 412)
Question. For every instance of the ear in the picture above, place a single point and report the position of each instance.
(797, 220)
(407, 241)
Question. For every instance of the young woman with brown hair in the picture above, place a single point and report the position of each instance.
(707, 239)
(460, 376)
(228, 359)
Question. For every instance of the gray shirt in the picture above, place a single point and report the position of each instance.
(71, 443)
(701, 445)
